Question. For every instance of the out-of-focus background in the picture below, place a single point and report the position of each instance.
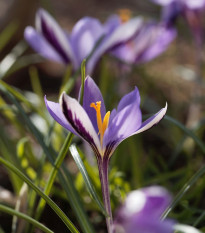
(173, 68)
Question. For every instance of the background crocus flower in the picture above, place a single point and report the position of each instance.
(142, 210)
(53, 43)
(151, 41)
(117, 33)
(191, 10)
(103, 131)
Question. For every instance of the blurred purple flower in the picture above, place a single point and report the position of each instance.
(103, 131)
(191, 4)
(151, 41)
(54, 43)
(142, 212)
(191, 10)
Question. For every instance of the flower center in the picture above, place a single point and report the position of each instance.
(125, 15)
(102, 125)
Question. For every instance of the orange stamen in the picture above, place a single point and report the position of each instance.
(125, 15)
(102, 125)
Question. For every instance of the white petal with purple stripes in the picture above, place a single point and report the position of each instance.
(79, 120)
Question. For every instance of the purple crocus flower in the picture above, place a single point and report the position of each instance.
(142, 212)
(53, 43)
(103, 131)
(151, 41)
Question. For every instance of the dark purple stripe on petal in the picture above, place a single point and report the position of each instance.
(110, 147)
(76, 123)
(49, 34)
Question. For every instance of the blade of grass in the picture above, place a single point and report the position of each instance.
(7, 33)
(37, 224)
(58, 211)
(53, 173)
(187, 131)
(184, 190)
(199, 219)
(24, 61)
(35, 82)
(11, 58)
(88, 183)
(16, 93)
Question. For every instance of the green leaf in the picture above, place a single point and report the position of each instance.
(22, 62)
(7, 33)
(88, 183)
(184, 190)
(54, 173)
(35, 82)
(58, 211)
(187, 131)
(11, 58)
(37, 224)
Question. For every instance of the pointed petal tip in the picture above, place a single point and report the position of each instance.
(152, 121)
(165, 108)
(41, 12)
(87, 78)
(62, 97)
(28, 32)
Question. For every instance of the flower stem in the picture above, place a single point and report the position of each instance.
(103, 165)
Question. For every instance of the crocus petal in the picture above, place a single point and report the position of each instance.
(142, 210)
(185, 229)
(125, 122)
(152, 40)
(150, 122)
(92, 94)
(84, 36)
(163, 2)
(171, 12)
(122, 33)
(40, 45)
(54, 35)
(132, 97)
(56, 112)
(194, 4)
(147, 201)
(112, 23)
(157, 200)
(79, 120)
(145, 225)
(159, 38)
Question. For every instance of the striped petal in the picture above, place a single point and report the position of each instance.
(55, 36)
(79, 120)
(40, 45)
(56, 112)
